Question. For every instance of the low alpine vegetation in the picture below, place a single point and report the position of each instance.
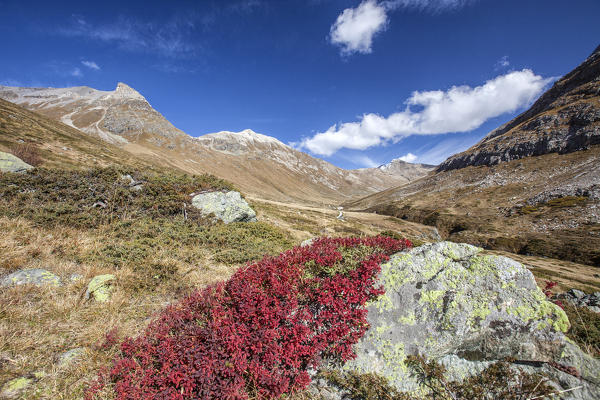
(256, 335)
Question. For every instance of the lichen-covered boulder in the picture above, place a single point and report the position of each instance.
(450, 303)
(36, 276)
(10, 163)
(100, 287)
(226, 206)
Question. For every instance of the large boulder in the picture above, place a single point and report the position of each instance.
(35, 276)
(10, 163)
(226, 206)
(450, 303)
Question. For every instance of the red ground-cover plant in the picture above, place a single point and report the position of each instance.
(258, 333)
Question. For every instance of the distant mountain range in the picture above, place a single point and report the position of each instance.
(258, 164)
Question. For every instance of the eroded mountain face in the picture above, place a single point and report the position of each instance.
(565, 119)
(257, 164)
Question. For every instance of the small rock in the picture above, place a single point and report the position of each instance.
(68, 357)
(307, 242)
(14, 388)
(133, 184)
(227, 207)
(577, 294)
(100, 287)
(36, 276)
(99, 204)
(10, 163)
(75, 277)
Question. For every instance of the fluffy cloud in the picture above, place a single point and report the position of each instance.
(459, 109)
(355, 28)
(410, 157)
(91, 65)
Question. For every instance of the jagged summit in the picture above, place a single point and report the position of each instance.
(125, 91)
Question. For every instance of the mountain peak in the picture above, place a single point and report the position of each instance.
(125, 91)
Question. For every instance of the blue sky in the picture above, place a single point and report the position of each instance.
(357, 83)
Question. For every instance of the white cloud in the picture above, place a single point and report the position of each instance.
(76, 72)
(410, 157)
(355, 28)
(91, 65)
(459, 109)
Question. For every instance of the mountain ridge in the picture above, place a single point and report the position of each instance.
(260, 165)
(564, 119)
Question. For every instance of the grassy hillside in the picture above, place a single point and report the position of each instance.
(543, 206)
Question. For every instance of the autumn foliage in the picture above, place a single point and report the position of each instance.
(258, 333)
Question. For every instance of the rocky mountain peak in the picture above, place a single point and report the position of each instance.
(125, 91)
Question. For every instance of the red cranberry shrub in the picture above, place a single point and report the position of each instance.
(258, 333)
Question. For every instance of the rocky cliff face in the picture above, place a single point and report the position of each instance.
(565, 119)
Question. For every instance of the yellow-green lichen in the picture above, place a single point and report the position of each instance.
(432, 297)
(17, 385)
(546, 311)
(408, 320)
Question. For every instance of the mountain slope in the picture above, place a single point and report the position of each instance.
(502, 194)
(257, 164)
(59, 145)
(565, 119)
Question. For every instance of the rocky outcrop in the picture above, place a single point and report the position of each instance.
(565, 119)
(451, 303)
(226, 206)
(10, 163)
(36, 276)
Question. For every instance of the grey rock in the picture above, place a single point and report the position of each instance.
(227, 207)
(578, 294)
(132, 183)
(10, 163)
(450, 303)
(578, 298)
(36, 276)
(70, 356)
(307, 242)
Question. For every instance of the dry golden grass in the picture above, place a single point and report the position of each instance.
(37, 324)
